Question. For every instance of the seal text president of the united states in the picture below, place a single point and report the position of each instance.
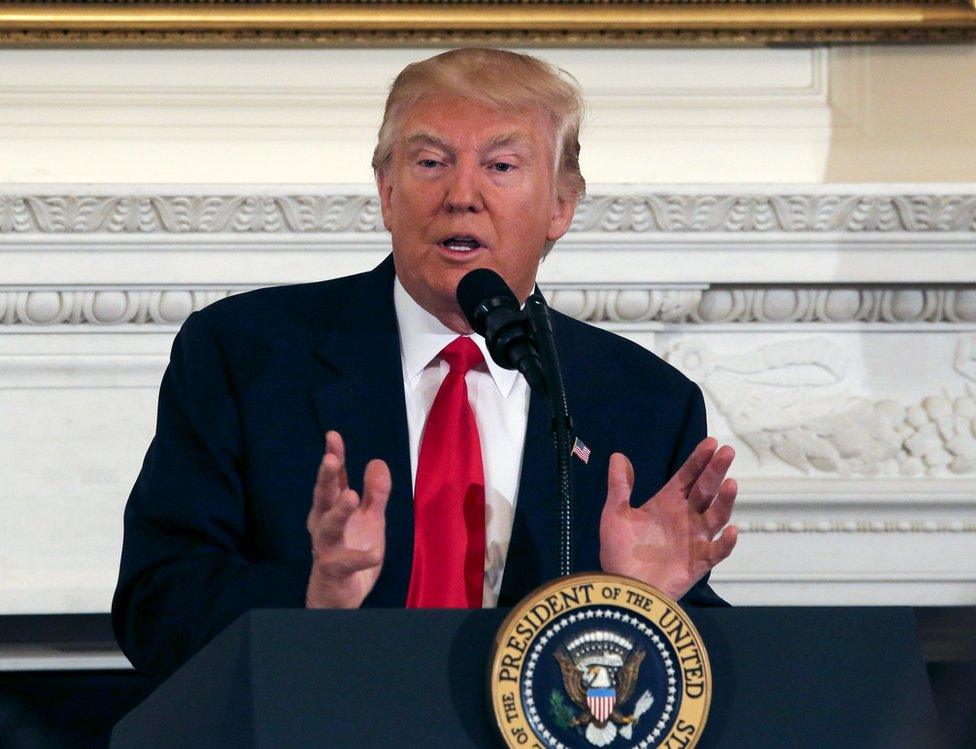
(349, 443)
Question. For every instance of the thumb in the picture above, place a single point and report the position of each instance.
(376, 486)
(620, 482)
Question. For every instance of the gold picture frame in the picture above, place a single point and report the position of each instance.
(483, 22)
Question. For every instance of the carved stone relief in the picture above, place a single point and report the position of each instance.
(788, 401)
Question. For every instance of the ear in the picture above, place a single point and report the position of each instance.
(385, 186)
(563, 210)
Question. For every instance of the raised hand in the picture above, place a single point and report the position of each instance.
(348, 534)
(668, 541)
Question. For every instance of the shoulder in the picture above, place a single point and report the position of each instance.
(296, 301)
(272, 312)
(609, 356)
(241, 334)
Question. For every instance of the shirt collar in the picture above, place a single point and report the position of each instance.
(423, 337)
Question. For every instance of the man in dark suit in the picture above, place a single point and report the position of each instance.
(237, 508)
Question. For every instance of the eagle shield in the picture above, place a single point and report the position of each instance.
(601, 703)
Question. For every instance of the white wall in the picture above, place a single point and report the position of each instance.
(875, 114)
(290, 116)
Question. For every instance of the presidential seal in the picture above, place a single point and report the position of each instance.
(597, 660)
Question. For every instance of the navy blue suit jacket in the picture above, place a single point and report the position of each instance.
(216, 522)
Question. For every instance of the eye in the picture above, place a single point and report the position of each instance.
(428, 163)
(503, 167)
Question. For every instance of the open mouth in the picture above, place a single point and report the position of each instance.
(461, 243)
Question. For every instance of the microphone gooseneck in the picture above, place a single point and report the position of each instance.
(524, 341)
(493, 312)
(562, 424)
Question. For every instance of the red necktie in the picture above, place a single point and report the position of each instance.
(449, 497)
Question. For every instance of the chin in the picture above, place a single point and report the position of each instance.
(452, 276)
(439, 290)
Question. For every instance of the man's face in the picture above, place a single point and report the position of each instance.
(470, 187)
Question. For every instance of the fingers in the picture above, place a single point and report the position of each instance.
(721, 510)
(620, 482)
(333, 523)
(334, 558)
(703, 491)
(337, 446)
(722, 546)
(376, 486)
(331, 479)
(685, 477)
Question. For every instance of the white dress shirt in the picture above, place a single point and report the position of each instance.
(500, 400)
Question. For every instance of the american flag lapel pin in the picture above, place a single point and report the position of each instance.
(580, 450)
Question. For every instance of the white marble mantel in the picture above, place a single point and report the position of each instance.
(832, 328)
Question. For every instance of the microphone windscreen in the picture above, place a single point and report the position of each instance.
(478, 286)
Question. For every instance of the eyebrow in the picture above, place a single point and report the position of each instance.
(422, 137)
(508, 139)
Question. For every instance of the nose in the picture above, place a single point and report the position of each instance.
(463, 189)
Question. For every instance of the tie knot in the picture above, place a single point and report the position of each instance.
(462, 354)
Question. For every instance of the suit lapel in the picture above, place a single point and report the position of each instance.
(360, 395)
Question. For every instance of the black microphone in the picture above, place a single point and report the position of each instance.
(493, 312)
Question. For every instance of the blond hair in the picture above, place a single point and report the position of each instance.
(499, 78)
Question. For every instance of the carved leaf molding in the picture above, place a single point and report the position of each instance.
(268, 213)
